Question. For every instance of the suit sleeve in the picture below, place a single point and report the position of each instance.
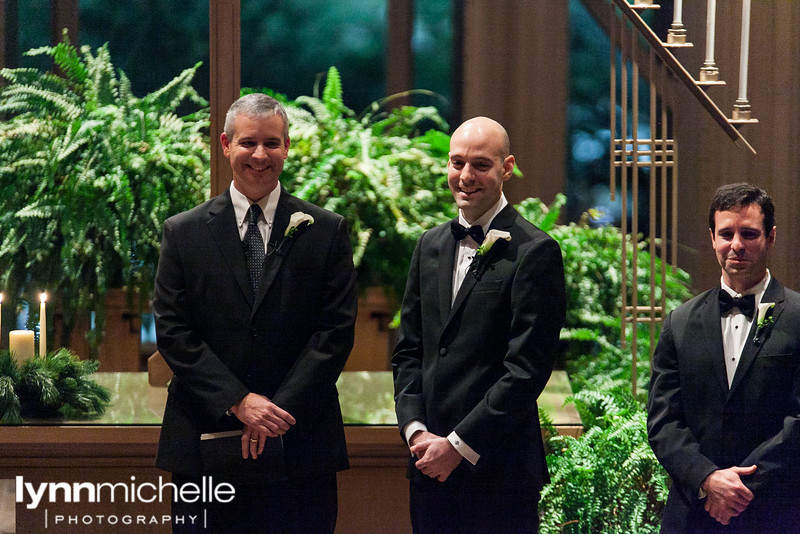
(779, 456)
(407, 357)
(672, 441)
(311, 380)
(538, 308)
(192, 361)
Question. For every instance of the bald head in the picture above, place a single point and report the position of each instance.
(488, 131)
(479, 163)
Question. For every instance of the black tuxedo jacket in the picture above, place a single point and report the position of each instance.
(697, 424)
(289, 342)
(479, 366)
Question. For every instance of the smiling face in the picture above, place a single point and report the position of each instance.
(257, 152)
(741, 245)
(478, 165)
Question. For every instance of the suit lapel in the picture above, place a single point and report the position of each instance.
(712, 332)
(446, 249)
(774, 293)
(223, 227)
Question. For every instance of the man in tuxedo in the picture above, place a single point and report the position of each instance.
(255, 303)
(724, 395)
(479, 329)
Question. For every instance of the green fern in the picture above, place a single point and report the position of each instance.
(607, 480)
(383, 171)
(88, 174)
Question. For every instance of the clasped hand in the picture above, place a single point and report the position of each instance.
(262, 419)
(437, 458)
(727, 496)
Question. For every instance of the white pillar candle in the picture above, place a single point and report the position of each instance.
(42, 326)
(744, 50)
(711, 15)
(1, 320)
(20, 343)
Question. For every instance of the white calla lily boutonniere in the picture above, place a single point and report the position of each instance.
(295, 221)
(764, 320)
(480, 260)
(490, 240)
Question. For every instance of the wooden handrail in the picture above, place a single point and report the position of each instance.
(681, 74)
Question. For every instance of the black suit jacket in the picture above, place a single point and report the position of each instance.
(479, 366)
(697, 424)
(289, 343)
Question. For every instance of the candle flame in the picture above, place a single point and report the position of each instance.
(43, 297)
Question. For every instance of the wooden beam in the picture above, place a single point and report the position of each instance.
(64, 14)
(399, 54)
(9, 23)
(225, 80)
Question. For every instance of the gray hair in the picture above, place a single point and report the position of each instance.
(255, 105)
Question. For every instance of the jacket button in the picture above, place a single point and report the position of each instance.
(443, 351)
(254, 332)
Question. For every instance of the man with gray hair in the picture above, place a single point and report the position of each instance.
(255, 304)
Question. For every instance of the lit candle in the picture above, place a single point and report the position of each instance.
(20, 343)
(42, 327)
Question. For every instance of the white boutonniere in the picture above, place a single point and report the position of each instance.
(764, 320)
(490, 240)
(295, 221)
(480, 261)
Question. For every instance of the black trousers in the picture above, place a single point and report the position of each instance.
(295, 506)
(471, 507)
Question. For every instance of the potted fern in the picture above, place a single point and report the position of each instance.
(88, 174)
(384, 171)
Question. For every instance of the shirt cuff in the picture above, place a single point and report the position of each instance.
(411, 427)
(463, 449)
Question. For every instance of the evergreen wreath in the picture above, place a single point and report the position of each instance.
(58, 385)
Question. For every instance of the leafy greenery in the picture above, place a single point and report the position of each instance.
(591, 335)
(88, 174)
(384, 171)
(608, 480)
(56, 385)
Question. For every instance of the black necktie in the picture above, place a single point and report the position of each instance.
(746, 304)
(254, 247)
(460, 232)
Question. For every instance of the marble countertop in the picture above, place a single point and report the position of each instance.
(366, 398)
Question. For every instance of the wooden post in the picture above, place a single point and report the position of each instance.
(64, 15)
(399, 54)
(225, 80)
(8, 34)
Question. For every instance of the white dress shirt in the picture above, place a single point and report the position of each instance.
(736, 326)
(241, 206)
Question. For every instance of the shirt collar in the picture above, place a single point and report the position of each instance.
(485, 220)
(241, 204)
(757, 290)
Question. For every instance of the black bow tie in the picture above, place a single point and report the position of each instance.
(460, 232)
(746, 304)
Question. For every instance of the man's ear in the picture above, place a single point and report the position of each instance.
(771, 236)
(226, 144)
(508, 166)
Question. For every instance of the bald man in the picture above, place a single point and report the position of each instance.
(481, 315)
